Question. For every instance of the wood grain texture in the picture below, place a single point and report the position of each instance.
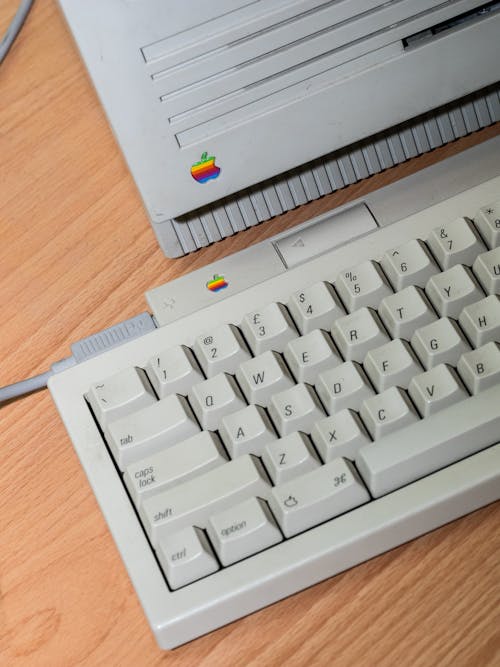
(76, 255)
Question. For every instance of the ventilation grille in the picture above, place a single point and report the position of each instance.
(268, 54)
(333, 172)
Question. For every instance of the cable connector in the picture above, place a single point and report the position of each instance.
(135, 327)
(84, 349)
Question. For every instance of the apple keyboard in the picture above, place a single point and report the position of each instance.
(292, 430)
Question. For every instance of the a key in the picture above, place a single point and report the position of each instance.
(295, 409)
(409, 264)
(430, 444)
(268, 329)
(486, 268)
(289, 457)
(174, 465)
(317, 496)
(315, 307)
(193, 502)
(440, 342)
(405, 311)
(214, 398)
(452, 290)
(119, 395)
(150, 429)
(436, 389)
(341, 435)
(456, 242)
(221, 350)
(186, 556)
(481, 321)
(487, 220)
(263, 376)
(246, 431)
(243, 530)
(362, 285)
(480, 369)
(308, 355)
(357, 333)
(173, 371)
(392, 364)
(345, 386)
(387, 412)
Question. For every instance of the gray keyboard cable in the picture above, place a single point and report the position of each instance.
(84, 349)
(14, 28)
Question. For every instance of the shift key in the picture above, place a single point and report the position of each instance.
(192, 503)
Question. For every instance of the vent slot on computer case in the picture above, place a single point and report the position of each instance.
(330, 173)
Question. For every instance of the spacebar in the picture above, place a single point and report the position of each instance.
(433, 443)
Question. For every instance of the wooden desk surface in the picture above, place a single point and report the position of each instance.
(76, 255)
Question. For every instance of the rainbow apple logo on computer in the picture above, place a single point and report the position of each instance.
(206, 169)
(217, 283)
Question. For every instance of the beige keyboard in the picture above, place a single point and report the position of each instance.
(301, 426)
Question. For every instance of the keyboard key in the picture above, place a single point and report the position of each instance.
(269, 328)
(120, 394)
(243, 530)
(420, 449)
(315, 307)
(221, 350)
(308, 355)
(174, 465)
(436, 389)
(392, 364)
(263, 376)
(173, 371)
(345, 386)
(409, 264)
(362, 285)
(452, 290)
(289, 457)
(317, 496)
(440, 342)
(406, 311)
(480, 369)
(487, 270)
(295, 409)
(339, 436)
(150, 429)
(246, 431)
(487, 220)
(456, 242)
(387, 412)
(194, 501)
(481, 321)
(214, 398)
(186, 556)
(357, 333)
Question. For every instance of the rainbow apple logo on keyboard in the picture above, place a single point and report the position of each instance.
(205, 169)
(217, 283)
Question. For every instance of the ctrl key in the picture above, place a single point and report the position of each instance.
(186, 556)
